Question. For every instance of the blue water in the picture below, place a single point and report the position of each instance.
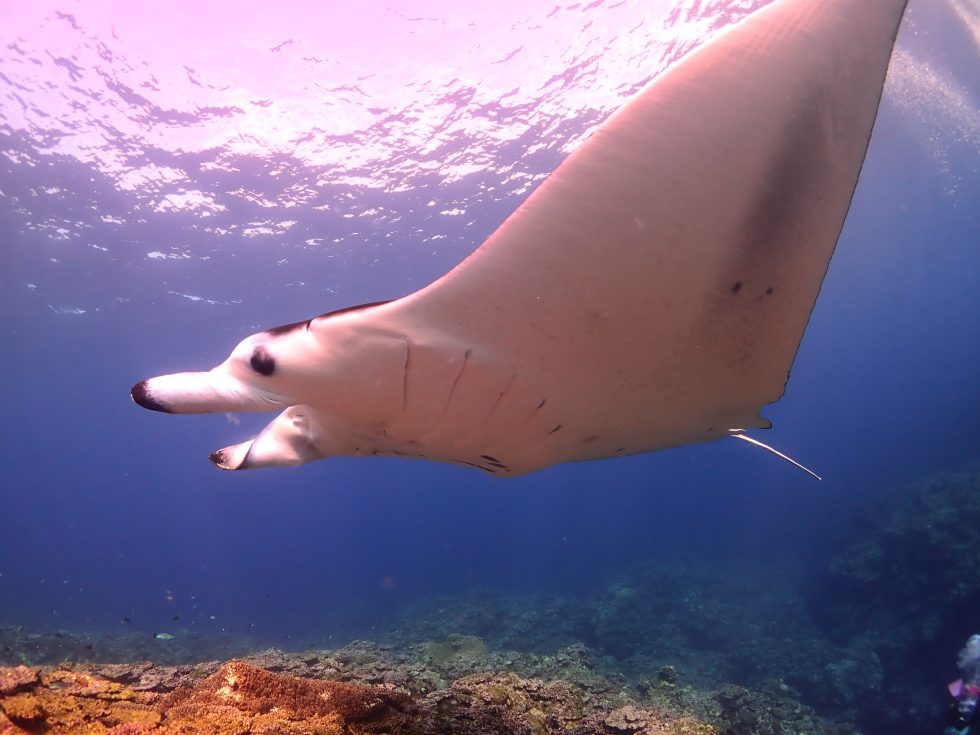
(110, 513)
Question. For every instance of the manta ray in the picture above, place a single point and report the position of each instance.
(652, 292)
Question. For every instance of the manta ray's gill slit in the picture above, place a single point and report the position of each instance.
(500, 398)
(554, 430)
(518, 429)
(452, 388)
(405, 368)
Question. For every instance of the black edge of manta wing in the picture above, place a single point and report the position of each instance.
(305, 323)
(356, 307)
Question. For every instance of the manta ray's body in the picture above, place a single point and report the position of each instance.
(652, 292)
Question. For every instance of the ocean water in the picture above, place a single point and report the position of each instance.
(174, 178)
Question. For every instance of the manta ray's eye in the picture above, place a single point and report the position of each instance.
(262, 362)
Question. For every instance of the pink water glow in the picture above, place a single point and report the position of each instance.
(105, 81)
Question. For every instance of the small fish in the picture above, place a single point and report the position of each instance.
(164, 637)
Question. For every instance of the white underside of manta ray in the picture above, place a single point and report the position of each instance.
(652, 292)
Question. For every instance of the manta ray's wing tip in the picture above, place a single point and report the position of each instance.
(143, 396)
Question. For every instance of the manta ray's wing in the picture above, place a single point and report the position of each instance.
(656, 287)
(653, 291)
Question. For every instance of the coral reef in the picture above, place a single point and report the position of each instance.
(769, 713)
(63, 701)
(239, 697)
(530, 623)
(737, 621)
(664, 642)
(901, 591)
(910, 560)
(729, 647)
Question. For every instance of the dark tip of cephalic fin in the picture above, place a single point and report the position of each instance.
(221, 459)
(142, 396)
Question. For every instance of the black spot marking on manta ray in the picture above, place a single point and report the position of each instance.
(769, 291)
(495, 462)
(141, 395)
(262, 362)
(554, 430)
(736, 287)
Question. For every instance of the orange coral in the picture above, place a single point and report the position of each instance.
(62, 701)
(238, 698)
(17, 677)
(238, 690)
